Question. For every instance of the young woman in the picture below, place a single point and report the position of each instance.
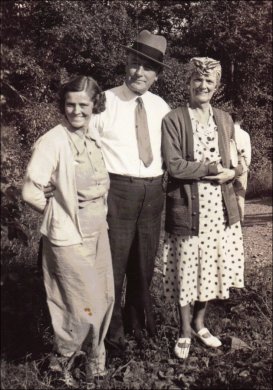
(77, 263)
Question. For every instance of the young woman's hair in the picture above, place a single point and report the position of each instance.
(88, 85)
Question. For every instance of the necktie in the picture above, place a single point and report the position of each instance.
(142, 134)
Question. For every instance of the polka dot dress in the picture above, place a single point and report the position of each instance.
(204, 267)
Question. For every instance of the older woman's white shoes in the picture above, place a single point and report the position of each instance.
(207, 338)
(182, 347)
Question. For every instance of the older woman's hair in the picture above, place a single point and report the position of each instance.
(204, 66)
(88, 85)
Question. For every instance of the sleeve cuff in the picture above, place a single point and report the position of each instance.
(212, 169)
(238, 171)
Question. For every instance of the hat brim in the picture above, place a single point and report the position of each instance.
(145, 56)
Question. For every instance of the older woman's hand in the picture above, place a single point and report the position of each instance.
(222, 177)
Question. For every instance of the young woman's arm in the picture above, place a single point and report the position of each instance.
(39, 170)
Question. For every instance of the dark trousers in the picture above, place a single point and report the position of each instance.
(134, 216)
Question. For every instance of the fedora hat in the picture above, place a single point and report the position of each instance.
(150, 46)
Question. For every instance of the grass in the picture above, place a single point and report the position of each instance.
(246, 316)
(243, 323)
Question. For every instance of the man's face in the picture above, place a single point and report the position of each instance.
(140, 74)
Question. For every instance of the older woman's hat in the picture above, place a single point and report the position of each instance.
(203, 66)
(149, 46)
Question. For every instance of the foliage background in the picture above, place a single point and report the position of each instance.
(45, 42)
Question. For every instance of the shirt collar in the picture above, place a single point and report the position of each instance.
(130, 95)
(192, 114)
(81, 133)
(198, 127)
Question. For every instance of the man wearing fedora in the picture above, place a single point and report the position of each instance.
(130, 131)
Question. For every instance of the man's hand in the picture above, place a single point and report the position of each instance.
(222, 177)
(48, 190)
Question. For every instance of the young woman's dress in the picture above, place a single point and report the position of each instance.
(204, 267)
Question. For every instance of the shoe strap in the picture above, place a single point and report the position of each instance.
(203, 331)
(184, 340)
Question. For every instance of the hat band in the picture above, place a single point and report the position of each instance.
(149, 51)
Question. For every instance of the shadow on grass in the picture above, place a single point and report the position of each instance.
(26, 327)
(264, 199)
(257, 219)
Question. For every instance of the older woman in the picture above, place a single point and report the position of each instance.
(203, 249)
(77, 263)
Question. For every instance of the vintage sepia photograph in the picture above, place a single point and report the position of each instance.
(136, 194)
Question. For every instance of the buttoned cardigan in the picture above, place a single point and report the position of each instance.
(52, 161)
(182, 201)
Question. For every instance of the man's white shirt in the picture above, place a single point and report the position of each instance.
(116, 127)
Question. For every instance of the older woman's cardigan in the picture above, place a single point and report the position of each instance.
(182, 201)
